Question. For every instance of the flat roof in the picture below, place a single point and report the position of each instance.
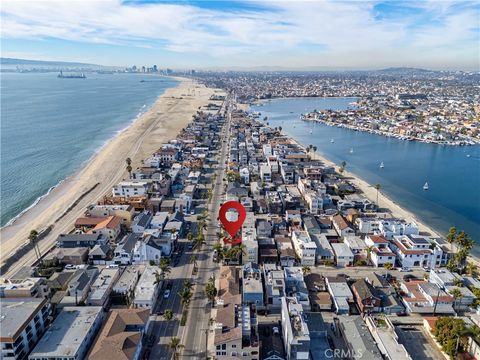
(67, 333)
(16, 313)
(358, 337)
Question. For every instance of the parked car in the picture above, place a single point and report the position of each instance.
(166, 294)
(403, 269)
(275, 330)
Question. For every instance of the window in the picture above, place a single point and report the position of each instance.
(234, 346)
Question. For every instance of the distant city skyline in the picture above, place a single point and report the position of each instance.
(246, 34)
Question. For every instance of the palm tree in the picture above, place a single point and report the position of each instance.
(185, 296)
(193, 260)
(158, 277)
(344, 164)
(280, 129)
(188, 284)
(129, 166)
(211, 291)
(32, 238)
(471, 269)
(189, 236)
(314, 149)
(175, 345)
(306, 269)
(377, 187)
(451, 236)
(164, 266)
(168, 314)
(199, 241)
(456, 293)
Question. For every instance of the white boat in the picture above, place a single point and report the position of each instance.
(351, 150)
(382, 165)
(425, 187)
(311, 131)
(468, 155)
(332, 141)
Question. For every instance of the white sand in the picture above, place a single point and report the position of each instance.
(172, 112)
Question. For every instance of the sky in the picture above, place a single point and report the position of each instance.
(330, 34)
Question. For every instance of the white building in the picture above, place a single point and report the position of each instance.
(102, 286)
(304, 247)
(340, 293)
(22, 323)
(249, 239)
(131, 188)
(265, 173)
(296, 335)
(146, 291)
(343, 255)
(70, 335)
(415, 251)
(381, 252)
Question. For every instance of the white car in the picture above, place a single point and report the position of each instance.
(403, 269)
(166, 294)
(275, 330)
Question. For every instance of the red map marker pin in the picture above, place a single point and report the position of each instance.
(232, 226)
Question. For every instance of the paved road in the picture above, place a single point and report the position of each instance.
(163, 330)
(194, 337)
(358, 272)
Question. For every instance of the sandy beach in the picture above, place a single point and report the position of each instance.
(170, 113)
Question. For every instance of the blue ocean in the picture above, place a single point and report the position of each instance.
(453, 173)
(51, 126)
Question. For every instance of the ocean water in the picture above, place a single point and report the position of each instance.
(453, 198)
(51, 126)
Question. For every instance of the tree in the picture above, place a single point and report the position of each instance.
(314, 149)
(377, 187)
(164, 266)
(456, 293)
(185, 296)
(451, 236)
(168, 314)
(193, 260)
(388, 266)
(306, 270)
(451, 265)
(189, 236)
(129, 166)
(199, 241)
(451, 334)
(211, 291)
(280, 129)
(33, 239)
(175, 345)
(188, 284)
(471, 269)
(158, 277)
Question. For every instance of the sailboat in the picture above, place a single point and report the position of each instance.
(425, 187)
(351, 150)
(382, 165)
(332, 141)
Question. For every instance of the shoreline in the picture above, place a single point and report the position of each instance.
(143, 110)
(170, 112)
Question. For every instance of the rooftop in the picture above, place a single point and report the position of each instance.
(16, 313)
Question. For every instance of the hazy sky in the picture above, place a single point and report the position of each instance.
(194, 34)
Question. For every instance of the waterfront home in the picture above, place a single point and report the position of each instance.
(366, 297)
(343, 255)
(444, 278)
(126, 212)
(70, 335)
(131, 188)
(122, 335)
(295, 332)
(28, 287)
(341, 294)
